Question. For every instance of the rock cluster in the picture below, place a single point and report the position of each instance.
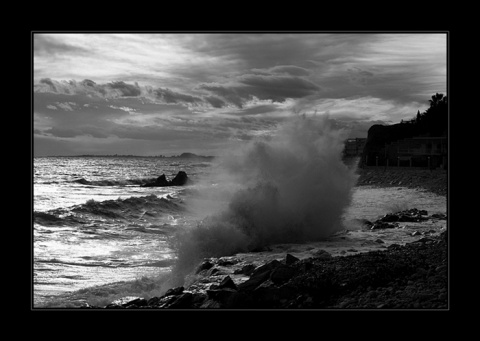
(434, 181)
(179, 180)
(389, 220)
(413, 276)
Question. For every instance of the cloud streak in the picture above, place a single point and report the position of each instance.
(208, 90)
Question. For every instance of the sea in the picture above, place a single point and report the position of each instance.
(94, 224)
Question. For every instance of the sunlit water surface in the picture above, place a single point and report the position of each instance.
(76, 247)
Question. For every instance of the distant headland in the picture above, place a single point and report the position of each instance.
(180, 156)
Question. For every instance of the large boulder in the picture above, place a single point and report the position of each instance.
(180, 179)
(259, 275)
(161, 181)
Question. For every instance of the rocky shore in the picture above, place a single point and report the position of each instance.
(413, 276)
(434, 181)
(410, 276)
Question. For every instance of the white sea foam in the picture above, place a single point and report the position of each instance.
(293, 187)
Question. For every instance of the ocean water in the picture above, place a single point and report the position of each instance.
(93, 224)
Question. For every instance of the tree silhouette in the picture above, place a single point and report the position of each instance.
(434, 121)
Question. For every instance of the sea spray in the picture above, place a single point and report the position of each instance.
(293, 187)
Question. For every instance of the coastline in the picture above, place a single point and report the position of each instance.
(410, 276)
(413, 276)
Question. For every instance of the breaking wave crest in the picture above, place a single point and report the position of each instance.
(123, 209)
(291, 188)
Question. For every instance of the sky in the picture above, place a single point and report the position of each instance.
(169, 93)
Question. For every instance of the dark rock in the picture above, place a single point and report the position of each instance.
(213, 272)
(306, 265)
(198, 299)
(253, 282)
(113, 306)
(289, 259)
(225, 262)
(367, 222)
(154, 301)
(389, 218)
(174, 291)
(407, 218)
(266, 293)
(161, 181)
(287, 291)
(322, 254)
(282, 274)
(227, 282)
(220, 295)
(382, 225)
(204, 266)
(180, 179)
(267, 267)
(181, 301)
(245, 270)
(227, 298)
(164, 302)
(139, 302)
(258, 276)
(439, 216)
(211, 304)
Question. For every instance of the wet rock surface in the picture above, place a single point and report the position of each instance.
(410, 276)
(391, 220)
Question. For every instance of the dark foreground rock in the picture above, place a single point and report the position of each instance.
(391, 220)
(179, 180)
(413, 276)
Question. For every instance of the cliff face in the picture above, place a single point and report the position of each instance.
(378, 135)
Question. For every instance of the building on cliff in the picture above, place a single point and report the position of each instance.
(427, 152)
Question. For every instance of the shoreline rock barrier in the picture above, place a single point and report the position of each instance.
(435, 181)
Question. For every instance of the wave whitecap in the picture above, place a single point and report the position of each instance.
(133, 208)
(293, 187)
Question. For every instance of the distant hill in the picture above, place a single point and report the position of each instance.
(193, 156)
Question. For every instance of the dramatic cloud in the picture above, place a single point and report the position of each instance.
(276, 88)
(169, 96)
(51, 46)
(160, 93)
(124, 89)
(286, 69)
